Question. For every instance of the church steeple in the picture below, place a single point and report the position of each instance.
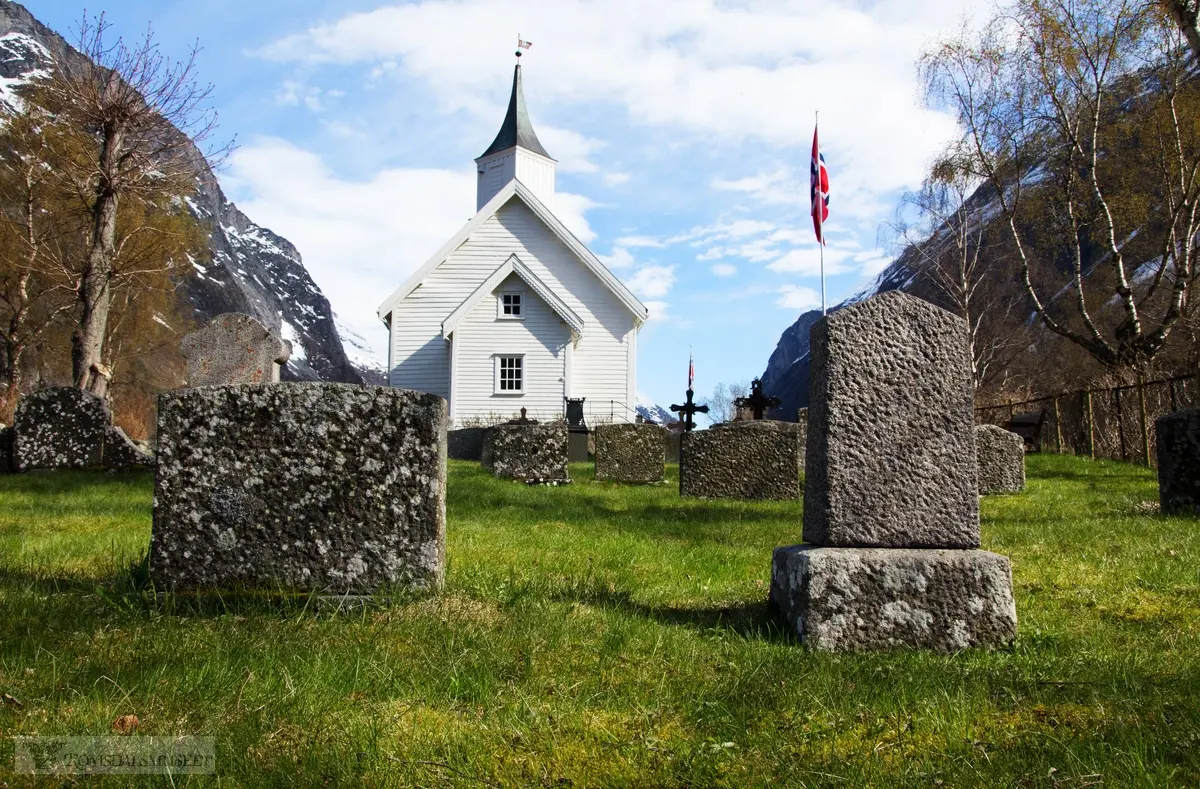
(516, 129)
(515, 153)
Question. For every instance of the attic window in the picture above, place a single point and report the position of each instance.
(511, 306)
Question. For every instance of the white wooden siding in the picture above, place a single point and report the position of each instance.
(541, 338)
(531, 169)
(604, 358)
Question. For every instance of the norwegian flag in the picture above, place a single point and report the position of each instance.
(819, 188)
(691, 370)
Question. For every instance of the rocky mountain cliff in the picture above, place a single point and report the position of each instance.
(251, 269)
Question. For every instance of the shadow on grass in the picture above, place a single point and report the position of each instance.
(752, 620)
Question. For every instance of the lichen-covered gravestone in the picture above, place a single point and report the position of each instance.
(1178, 436)
(1001, 460)
(465, 443)
(891, 505)
(742, 460)
(65, 427)
(531, 453)
(234, 349)
(304, 486)
(630, 453)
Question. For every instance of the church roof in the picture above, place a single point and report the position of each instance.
(514, 266)
(516, 189)
(516, 129)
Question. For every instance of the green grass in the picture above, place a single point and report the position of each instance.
(598, 635)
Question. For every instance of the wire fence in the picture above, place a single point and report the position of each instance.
(1116, 423)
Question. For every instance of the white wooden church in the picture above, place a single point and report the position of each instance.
(514, 311)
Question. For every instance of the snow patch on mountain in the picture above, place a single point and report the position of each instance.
(653, 412)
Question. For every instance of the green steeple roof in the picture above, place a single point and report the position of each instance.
(516, 129)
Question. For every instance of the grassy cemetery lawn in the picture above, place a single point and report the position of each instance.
(604, 635)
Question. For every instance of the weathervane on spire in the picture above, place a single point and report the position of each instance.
(522, 44)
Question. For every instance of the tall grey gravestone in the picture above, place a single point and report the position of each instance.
(304, 486)
(891, 505)
(234, 349)
(1001, 460)
(1178, 437)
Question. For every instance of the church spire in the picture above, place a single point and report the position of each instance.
(516, 131)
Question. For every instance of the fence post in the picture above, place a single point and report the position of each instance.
(1120, 423)
(1091, 434)
(1057, 428)
(1141, 384)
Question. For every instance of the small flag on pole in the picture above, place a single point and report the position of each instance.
(522, 43)
(691, 369)
(819, 180)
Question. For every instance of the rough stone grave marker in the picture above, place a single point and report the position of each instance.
(891, 503)
(527, 451)
(1178, 437)
(742, 460)
(65, 427)
(630, 453)
(304, 486)
(234, 349)
(1001, 460)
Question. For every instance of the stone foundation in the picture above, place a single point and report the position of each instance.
(1178, 437)
(302, 486)
(742, 460)
(536, 454)
(1001, 460)
(847, 599)
(630, 453)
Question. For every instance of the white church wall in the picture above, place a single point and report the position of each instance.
(535, 171)
(605, 356)
(540, 338)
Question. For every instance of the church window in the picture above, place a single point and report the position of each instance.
(510, 374)
(511, 305)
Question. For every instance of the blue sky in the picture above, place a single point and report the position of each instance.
(682, 130)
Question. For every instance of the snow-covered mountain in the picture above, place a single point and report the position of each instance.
(652, 412)
(252, 270)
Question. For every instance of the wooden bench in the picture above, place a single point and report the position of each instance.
(1028, 426)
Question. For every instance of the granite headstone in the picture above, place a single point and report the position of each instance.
(1178, 437)
(304, 486)
(891, 502)
(1001, 460)
(234, 349)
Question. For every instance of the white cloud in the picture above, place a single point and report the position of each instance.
(652, 282)
(570, 208)
(347, 230)
(696, 65)
(806, 261)
(724, 270)
(795, 297)
(658, 311)
(616, 179)
(570, 149)
(620, 258)
(639, 241)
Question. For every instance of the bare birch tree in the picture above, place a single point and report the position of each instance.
(131, 119)
(1080, 116)
(947, 241)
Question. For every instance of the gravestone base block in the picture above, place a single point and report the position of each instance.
(854, 599)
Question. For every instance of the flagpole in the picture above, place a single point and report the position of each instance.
(820, 207)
